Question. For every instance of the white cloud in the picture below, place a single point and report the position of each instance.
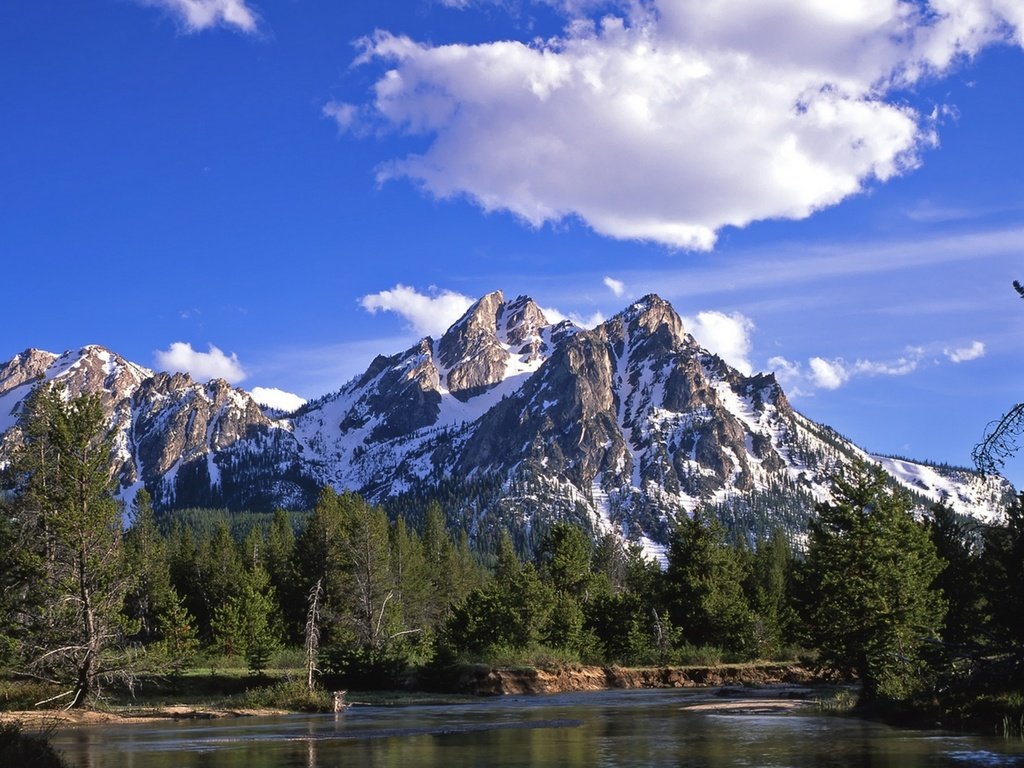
(197, 15)
(728, 336)
(963, 354)
(615, 286)
(906, 363)
(555, 316)
(832, 374)
(272, 397)
(828, 374)
(342, 113)
(201, 365)
(670, 119)
(427, 314)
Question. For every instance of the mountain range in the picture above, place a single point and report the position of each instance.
(510, 420)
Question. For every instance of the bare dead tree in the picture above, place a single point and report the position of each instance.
(1002, 436)
(313, 630)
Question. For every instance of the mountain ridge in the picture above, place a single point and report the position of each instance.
(621, 427)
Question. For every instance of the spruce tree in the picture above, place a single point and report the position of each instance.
(869, 579)
(704, 586)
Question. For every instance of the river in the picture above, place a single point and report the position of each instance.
(610, 729)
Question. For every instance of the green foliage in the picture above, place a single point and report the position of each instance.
(247, 623)
(565, 556)
(69, 530)
(178, 642)
(869, 574)
(292, 695)
(768, 590)
(957, 544)
(704, 586)
(21, 694)
(1003, 577)
(146, 554)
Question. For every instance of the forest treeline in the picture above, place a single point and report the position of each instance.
(915, 607)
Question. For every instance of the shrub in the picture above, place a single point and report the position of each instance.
(30, 749)
(289, 694)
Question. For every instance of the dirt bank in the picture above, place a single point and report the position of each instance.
(499, 681)
(60, 718)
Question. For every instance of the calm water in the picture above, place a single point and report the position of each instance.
(609, 729)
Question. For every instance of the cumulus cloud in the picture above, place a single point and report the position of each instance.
(667, 120)
(272, 397)
(203, 366)
(728, 336)
(963, 354)
(615, 286)
(428, 314)
(828, 374)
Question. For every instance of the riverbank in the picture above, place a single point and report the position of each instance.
(463, 681)
(37, 719)
(497, 681)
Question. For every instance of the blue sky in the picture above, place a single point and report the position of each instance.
(276, 191)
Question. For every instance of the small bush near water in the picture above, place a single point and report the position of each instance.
(18, 748)
(289, 694)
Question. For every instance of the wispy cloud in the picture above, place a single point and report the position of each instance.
(833, 373)
(198, 15)
(342, 113)
(202, 366)
(806, 263)
(963, 354)
(617, 287)
(649, 120)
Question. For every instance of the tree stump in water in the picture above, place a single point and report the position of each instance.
(339, 701)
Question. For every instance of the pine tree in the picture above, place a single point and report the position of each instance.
(146, 553)
(869, 579)
(66, 509)
(704, 586)
(248, 624)
(565, 558)
(769, 594)
(1003, 579)
(366, 549)
(960, 581)
(411, 577)
(178, 642)
(279, 549)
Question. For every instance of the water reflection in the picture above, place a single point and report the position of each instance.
(611, 730)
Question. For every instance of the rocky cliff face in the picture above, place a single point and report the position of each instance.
(188, 443)
(621, 427)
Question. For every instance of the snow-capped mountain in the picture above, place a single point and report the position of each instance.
(512, 419)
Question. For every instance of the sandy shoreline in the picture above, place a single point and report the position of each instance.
(44, 718)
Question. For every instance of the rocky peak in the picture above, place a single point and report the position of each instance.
(25, 367)
(117, 377)
(524, 323)
(471, 351)
(652, 314)
(477, 326)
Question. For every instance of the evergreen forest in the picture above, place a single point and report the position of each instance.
(921, 609)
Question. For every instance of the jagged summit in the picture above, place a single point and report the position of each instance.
(621, 427)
